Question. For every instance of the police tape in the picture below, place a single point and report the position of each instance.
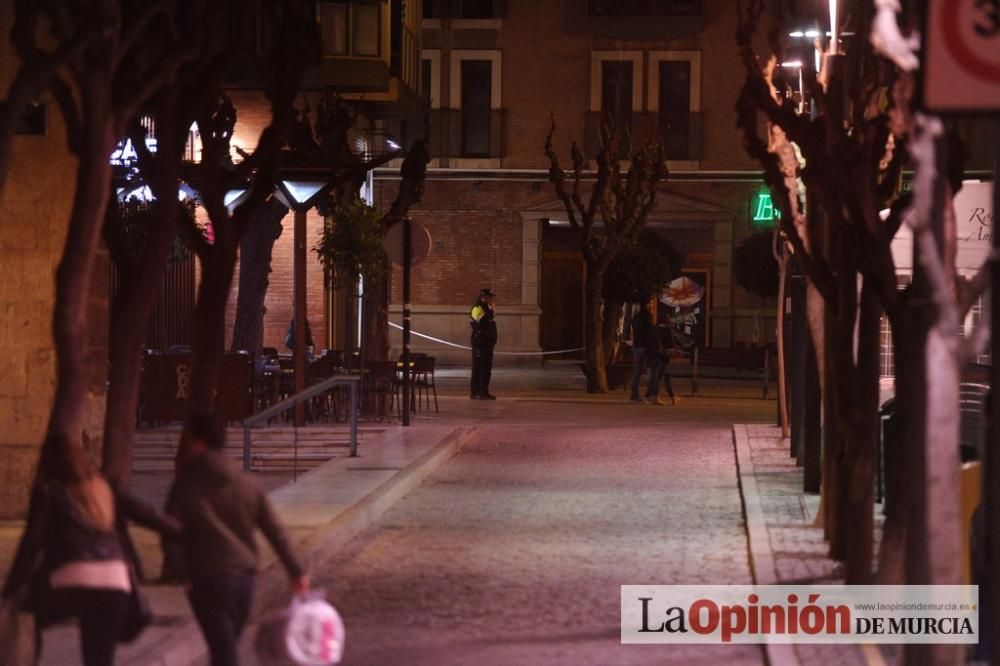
(455, 344)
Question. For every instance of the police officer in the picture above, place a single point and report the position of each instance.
(484, 339)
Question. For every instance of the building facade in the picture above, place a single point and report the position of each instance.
(34, 214)
(496, 75)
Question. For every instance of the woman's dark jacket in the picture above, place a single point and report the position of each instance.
(57, 533)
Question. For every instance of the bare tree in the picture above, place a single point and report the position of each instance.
(172, 110)
(854, 152)
(412, 177)
(101, 61)
(620, 202)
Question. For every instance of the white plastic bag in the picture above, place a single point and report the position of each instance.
(307, 633)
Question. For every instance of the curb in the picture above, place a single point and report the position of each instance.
(185, 645)
(758, 539)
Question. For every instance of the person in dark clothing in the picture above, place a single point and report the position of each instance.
(75, 559)
(290, 336)
(660, 347)
(484, 339)
(642, 336)
(222, 507)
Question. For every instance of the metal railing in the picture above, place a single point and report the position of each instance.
(307, 394)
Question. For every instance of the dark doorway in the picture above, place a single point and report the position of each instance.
(562, 302)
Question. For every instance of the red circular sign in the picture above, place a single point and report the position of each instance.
(957, 45)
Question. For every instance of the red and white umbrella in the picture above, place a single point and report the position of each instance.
(681, 292)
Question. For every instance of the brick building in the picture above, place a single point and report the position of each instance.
(494, 73)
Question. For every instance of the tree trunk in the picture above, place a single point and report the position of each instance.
(858, 475)
(612, 341)
(209, 334)
(71, 320)
(129, 316)
(783, 408)
(596, 370)
(256, 248)
(141, 280)
(376, 318)
(908, 337)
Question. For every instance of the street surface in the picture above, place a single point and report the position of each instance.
(513, 551)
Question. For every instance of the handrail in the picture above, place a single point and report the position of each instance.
(292, 400)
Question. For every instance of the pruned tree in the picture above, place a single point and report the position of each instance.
(843, 152)
(638, 271)
(620, 201)
(171, 110)
(295, 48)
(412, 177)
(854, 151)
(102, 62)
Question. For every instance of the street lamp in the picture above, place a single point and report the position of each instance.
(300, 190)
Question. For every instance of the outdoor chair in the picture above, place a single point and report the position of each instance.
(382, 389)
(324, 405)
(423, 381)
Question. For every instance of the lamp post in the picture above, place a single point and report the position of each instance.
(300, 190)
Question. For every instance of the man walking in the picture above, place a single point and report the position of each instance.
(642, 337)
(221, 507)
(484, 339)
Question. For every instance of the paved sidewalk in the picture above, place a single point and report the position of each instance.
(786, 545)
(514, 551)
(323, 510)
(328, 506)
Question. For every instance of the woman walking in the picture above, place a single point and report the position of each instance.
(75, 559)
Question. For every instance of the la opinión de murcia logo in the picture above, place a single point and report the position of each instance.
(799, 614)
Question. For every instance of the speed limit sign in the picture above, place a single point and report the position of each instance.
(962, 55)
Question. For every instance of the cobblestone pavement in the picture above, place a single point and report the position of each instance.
(797, 544)
(513, 552)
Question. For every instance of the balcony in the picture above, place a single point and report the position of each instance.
(636, 19)
(679, 132)
(371, 53)
(455, 133)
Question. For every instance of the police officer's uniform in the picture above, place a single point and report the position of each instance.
(484, 339)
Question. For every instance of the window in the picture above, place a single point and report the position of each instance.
(477, 86)
(425, 80)
(433, 9)
(472, 124)
(674, 101)
(615, 90)
(477, 9)
(350, 28)
(462, 9)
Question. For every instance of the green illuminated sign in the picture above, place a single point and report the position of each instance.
(763, 214)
